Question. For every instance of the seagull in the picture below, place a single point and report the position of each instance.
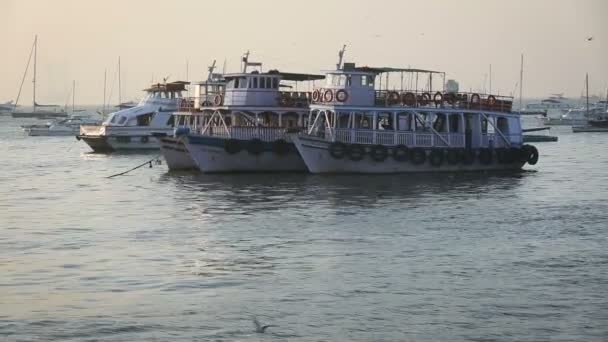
(589, 38)
(260, 328)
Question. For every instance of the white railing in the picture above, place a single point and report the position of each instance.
(248, 133)
(420, 139)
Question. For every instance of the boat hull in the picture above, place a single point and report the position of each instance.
(589, 129)
(176, 155)
(41, 132)
(107, 144)
(210, 156)
(315, 153)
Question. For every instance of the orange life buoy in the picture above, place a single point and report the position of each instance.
(475, 99)
(218, 100)
(491, 100)
(328, 96)
(438, 98)
(316, 95)
(425, 98)
(409, 99)
(392, 98)
(341, 95)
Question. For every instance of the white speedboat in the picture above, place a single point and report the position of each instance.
(245, 130)
(554, 106)
(59, 127)
(356, 126)
(7, 107)
(132, 128)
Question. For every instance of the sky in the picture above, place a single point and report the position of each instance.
(80, 39)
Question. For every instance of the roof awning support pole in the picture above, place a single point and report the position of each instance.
(504, 138)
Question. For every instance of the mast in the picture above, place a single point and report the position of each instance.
(587, 91)
(521, 82)
(490, 92)
(34, 79)
(119, 89)
(73, 94)
(103, 109)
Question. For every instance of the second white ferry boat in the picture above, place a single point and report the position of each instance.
(133, 128)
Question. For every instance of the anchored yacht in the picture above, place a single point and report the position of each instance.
(245, 129)
(359, 125)
(60, 127)
(132, 128)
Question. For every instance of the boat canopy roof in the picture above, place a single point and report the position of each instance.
(172, 86)
(287, 76)
(350, 67)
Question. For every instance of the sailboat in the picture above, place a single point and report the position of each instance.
(597, 117)
(38, 110)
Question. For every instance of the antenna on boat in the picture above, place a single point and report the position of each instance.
(245, 59)
(224, 66)
(119, 89)
(211, 68)
(521, 82)
(587, 91)
(340, 57)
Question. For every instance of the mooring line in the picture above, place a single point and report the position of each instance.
(137, 167)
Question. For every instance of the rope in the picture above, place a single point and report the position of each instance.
(137, 167)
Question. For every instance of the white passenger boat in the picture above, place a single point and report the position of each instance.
(59, 127)
(245, 130)
(358, 126)
(553, 106)
(190, 115)
(132, 128)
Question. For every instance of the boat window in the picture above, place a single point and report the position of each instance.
(262, 82)
(230, 84)
(454, 121)
(236, 82)
(420, 122)
(349, 80)
(268, 82)
(171, 120)
(502, 124)
(275, 83)
(367, 80)
(439, 122)
(404, 122)
(385, 121)
(255, 82)
(329, 80)
(122, 120)
(484, 125)
(144, 119)
(343, 119)
(364, 120)
(243, 82)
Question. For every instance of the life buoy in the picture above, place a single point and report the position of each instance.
(453, 156)
(425, 99)
(475, 99)
(232, 146)
(485, 156)
(356, 152)
(468, 156)
(280, 147)
(144, 139)
(255, 146)
(491, 100)
(531, 154)
(341, 95)
(328, 96)
(436, 157)
(316, 95)
(337, 150)
(409, 99)
(438, 98)
(218, 100)
(392, 98)
(417, 156)
(401, 153)
(378, 153)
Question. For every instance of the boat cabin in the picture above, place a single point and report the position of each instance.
(360, 105)
(154, 109)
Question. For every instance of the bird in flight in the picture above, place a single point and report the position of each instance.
(589, 38)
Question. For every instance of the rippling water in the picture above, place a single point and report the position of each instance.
(160, 256)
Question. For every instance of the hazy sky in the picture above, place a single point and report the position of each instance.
(78, 39)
